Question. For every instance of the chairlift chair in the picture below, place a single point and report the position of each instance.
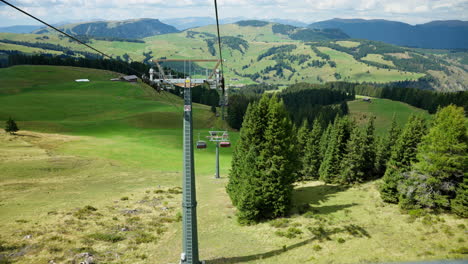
(201, 144)
(225, 144)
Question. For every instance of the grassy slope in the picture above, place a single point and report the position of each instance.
(129, 148)
(260, 39)
(383, 110)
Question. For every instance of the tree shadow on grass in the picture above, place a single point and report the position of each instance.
(319, 233)
(305, 198)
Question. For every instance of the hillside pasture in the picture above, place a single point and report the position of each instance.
(102, 175)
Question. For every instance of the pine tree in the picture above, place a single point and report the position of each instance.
(11, 126)
(344, 108)
(442, 160)
(353, 165)
(330, 168)
(324, 140)
(402, 156)
(312, 159)
(251, 139)
(302, 138)
(460, 203)
(384, 148)
(264, 162)
(368, 150)
(278, 160)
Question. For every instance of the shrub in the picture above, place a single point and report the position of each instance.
(280, 223)
(292, 232)
(461, 250)
(11, 126)
(107, 237)
(178, 217)
(125, 198)
(341, 240)
(142, 237)
(280, 233)
(317, 247)
(84, 212)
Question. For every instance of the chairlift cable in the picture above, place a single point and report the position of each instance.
(219, 45)
(69, 36)
(80, 42)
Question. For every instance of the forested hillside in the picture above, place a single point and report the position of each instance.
(263, 52)
(433, 35)
(128, 29)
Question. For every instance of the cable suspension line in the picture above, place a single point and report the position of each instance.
(68, 35)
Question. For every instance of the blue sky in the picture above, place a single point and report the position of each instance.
(409, 11)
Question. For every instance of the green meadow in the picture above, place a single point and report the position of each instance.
(384, 110)
(191, 44)
(96, 168)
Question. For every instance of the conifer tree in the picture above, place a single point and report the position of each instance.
(302, 136)
(278, 161)
(312, 159)
(460, 202)
(11, 126)
(264, 163)
(324, 140)
(353, 164)
(384, 148)
(402, 156)
(442, 161)
(330, 168)
(368, 150)
(251, 135)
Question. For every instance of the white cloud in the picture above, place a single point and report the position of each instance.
(412, 11)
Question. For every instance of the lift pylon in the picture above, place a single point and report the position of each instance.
(189, 203)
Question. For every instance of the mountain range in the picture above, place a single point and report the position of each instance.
(450, 34)
(127, 29)
(263, 52)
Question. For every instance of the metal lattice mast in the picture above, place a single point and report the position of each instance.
(190, 254)
(217, 161)
(189, 202)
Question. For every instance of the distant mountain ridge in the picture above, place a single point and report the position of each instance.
(127, 29)
(194, 22)
(19, 29)
(450, 34)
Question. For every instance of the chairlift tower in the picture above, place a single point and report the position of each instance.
(221, 138)
(190, 254)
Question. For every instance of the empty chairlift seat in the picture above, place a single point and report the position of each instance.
(225, 144)
(201, 144)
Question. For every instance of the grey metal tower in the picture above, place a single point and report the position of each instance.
(190, 254)
(221, 138)
(189, 201)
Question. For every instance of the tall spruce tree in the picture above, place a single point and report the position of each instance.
(330, 168)
(264, 163)
(279, 162)
(251, 139)
(324, 140)
(312, 159)
(442, 162)
(368, 150)
(353, 165)
(384, 148)
(402, 156)
(301, 140)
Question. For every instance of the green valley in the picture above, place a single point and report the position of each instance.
(315, 57)
(96, 168)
